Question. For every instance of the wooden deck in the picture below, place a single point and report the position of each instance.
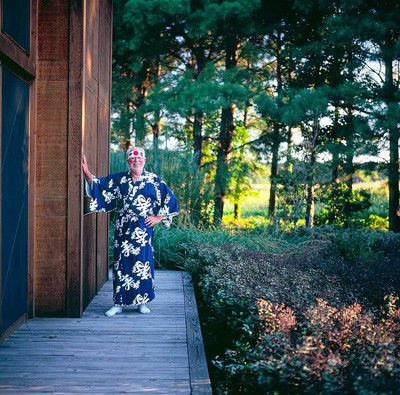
(157, 353)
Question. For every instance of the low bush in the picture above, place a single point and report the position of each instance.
(310, 313)
(328, 351)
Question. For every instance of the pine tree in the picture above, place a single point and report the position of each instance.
(378, 27)
(386, 34)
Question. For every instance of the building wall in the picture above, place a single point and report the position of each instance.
(67, 68)
(51, 212)
(73, 117)
(17, 126)
(98, 22)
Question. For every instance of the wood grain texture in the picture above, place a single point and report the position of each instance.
(197, 358)
(92, 22)
(105, 48)
(16, 58)
(102, 250)
(127, 353)
(102, 219)
(53, 32)
(51, 138)
(75, 131)
(51, 165)
(51, 206)
(50, 265)
(52, 70)
(89, 259)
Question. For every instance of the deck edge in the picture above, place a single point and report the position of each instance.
(199, 378)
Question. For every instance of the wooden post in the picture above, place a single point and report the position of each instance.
(75, 197)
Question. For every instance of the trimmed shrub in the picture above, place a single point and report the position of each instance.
(316, 313)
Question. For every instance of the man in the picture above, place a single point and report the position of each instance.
(142, 199)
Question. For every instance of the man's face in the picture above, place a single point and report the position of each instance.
(136, 164)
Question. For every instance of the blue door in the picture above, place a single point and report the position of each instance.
(14, 198)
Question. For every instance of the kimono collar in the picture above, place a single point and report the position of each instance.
(141, 177)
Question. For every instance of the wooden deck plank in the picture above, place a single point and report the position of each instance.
(127, 353)
(197, 359)
(160, 388)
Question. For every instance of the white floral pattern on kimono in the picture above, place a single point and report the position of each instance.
(133, 270)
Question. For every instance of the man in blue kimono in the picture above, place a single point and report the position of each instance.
(141, 199)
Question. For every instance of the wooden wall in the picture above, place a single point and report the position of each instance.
(73, 110)
(20, 60)
(97, 115)
(51, 159)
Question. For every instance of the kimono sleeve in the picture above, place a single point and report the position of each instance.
(169, 204)
(104, 193)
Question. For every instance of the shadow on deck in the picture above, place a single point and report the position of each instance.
(157, 353)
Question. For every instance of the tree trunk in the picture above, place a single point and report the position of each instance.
(289, 139)
(197, 136)
(198, 63)
(274, 171)
(196, 204)
(394, 196)
(221, 175)
(310, 205)
(156, 134)
(310, 209)
(224, 141)
(336, 165)
(236, 211)
(349, 164)
(389, 94)
(310, 199)
(276, 139)
(126, 126)
(142, 86)
(156, 125)
(239, 178)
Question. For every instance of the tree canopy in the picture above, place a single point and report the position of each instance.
(231, 83)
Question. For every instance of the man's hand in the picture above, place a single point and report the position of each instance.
(153, 220)
(86, 170)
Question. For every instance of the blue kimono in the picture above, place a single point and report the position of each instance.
(133, 271)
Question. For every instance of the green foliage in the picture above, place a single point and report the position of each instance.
(379, 198)
(183, 93)
(181, 172)
(291, 183)
(305, 105)
(376, 222)
(365, 246)
(303, 313)
(242, 169)
(247, 223)
(294, 65)
(118, 161)
(327, 350)
(342, 206)
(298, 314)
(146, 19)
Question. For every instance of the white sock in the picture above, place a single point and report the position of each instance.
(114, 310)
(144, 309)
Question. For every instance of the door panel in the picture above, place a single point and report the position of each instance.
(14, 198)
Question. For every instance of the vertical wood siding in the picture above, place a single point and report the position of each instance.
(51, 159)
(73, 91)
(96, 136)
